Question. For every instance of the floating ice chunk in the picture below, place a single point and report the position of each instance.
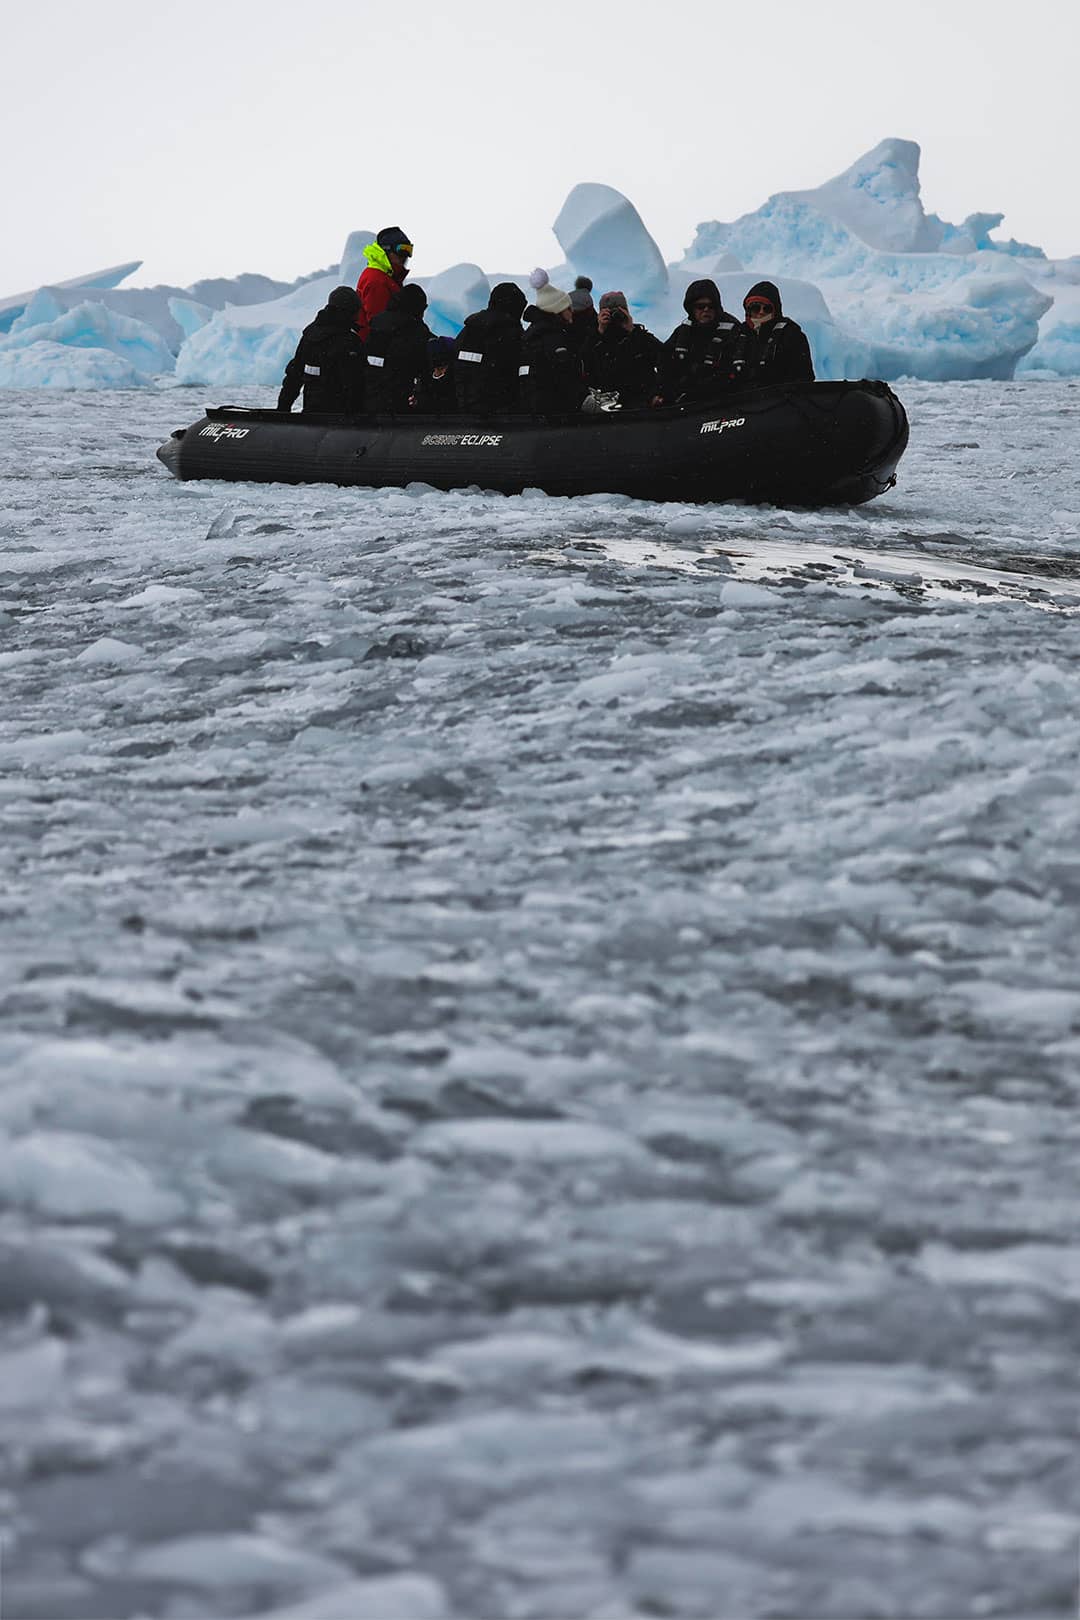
(1028, 1006)
(257, 1159)
(516, 1357)
(253, 827)
(43, 748)
(506, 1446)
(75, 1177)
(616, 683)
(65, 1275)
(819, 1504)
(546, 1141)
(225, 1334)
(690, 523)
(106, 650)
(740, 593)
(1047, 1267)
(25, 655)
(32, 1375)
(390, 1597)
(603, 236)
(216, 1563)
(159, 595)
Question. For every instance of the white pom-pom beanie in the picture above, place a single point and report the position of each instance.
(551, 300)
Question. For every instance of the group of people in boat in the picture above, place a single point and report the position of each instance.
(369, 350)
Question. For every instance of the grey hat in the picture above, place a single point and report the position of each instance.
(581, 299)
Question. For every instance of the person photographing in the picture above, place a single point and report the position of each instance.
(623, 358)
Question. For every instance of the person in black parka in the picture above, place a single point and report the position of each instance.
(770, 347)
(552, 379)
(329, 361)
(623, 358)
(397, 352)
(437, 389)
(489, 354)
(697, 355)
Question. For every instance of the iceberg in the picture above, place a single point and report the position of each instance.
(47, 364)
(452, 295)
(926, 298)
(881, 286)
(11, 308)
(604, 237)
(154, 305)
(189, 315)
(1057, 353)
(91, 327)
(877, 199)
(254, 342)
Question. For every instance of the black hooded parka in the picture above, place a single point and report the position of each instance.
(624, 361)
(778, 352)
(397, 353)
(552, 381)
(697, 356)
(329, 361)
(489, 354)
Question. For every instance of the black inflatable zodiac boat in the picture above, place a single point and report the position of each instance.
(805, 444)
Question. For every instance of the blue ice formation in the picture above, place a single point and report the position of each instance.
(32, 354)
(12, 307)
(882, 287)
(926, 298)
(604, 237)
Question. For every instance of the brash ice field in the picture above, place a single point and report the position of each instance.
(539, 1038)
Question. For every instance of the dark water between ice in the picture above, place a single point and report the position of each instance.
(539, 1039)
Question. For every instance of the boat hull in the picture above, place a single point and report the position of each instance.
(811, 444)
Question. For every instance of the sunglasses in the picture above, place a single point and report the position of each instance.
(704, 304)
(758, 307)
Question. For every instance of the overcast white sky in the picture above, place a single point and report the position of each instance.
(215, 136)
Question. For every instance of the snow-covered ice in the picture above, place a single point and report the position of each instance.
(539, 1037)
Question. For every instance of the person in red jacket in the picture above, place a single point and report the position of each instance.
(387, 266)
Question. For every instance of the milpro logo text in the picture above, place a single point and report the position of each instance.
(223, 430)
(725, 422)
(462, 438)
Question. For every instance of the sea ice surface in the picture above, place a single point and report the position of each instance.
(540, 1037)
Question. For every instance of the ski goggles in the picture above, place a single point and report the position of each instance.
(405, 249)
(758, 306)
